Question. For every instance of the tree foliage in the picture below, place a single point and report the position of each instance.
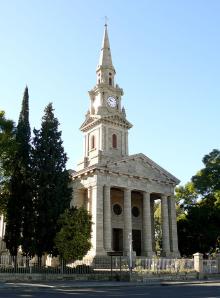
(19, 228)
(73, 238)
(199, 226)
(51, 180)
(7, 149)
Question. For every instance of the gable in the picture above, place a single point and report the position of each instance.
(141, 166)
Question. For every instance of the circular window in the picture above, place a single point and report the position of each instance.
(117, 209)
(135, 211)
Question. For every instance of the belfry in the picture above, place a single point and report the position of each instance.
(118, 189)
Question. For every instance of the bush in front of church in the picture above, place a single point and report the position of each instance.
(73, 239)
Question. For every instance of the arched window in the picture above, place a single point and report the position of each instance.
(114, 141)
(110, 81)
(93, 142)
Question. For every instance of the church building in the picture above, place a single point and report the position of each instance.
(118, 189)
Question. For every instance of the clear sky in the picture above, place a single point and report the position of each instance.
(166, 55)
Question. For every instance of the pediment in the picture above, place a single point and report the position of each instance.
(141, 166)
(113, 119)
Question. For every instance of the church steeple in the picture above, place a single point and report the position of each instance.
(105, 69)
(105, 127)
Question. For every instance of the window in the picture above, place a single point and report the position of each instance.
(110, 81)
(117, 209)
(93, 142)
(114, 141)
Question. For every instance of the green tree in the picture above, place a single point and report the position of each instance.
(73, 238)
(51, 181)
(207, 180)
(199, 226)
(7, 149)
(19, 228)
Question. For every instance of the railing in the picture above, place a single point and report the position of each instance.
(210, 266)
(99, 265)
(158, 265)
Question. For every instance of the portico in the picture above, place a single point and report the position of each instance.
(123, 204)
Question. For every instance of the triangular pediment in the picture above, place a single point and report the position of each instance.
(141, 166)
(114, 119)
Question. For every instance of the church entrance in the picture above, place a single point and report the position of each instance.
(136, 241)
(117, 239)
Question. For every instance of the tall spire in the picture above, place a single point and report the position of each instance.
(105, 58)
(105, 70)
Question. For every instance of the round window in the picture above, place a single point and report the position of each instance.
(135, 211)
(117, 209)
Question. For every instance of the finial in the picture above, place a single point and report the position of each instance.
(106, 21)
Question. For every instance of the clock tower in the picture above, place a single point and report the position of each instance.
(105, 127)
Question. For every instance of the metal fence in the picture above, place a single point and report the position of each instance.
(210, 266)
(159, 265)
(99, 265)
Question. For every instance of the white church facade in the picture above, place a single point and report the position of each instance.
(118, 189)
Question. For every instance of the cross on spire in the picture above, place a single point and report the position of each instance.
(106, 21)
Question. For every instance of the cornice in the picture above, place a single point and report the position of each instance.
(94, 170)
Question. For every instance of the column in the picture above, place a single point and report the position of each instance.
(97, 219)
(147, 229)
(165, 227)
(152, 224)
(173, 227)
(127, 219)
(89, 201)
(107, 219)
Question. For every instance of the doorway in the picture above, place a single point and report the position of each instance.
(136, 241)
(117, 240)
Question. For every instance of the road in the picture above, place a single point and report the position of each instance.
(207, 290)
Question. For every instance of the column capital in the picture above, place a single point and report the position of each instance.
(164, 196)
(127, 189)
(146, 194)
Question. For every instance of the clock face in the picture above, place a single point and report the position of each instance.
(111, 101)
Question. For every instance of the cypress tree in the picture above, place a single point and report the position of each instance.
(51, 180)
(19, 228)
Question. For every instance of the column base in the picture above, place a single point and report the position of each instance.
(166, 254)
(148, 254)
(175, 254)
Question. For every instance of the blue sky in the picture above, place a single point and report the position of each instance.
(166, 55)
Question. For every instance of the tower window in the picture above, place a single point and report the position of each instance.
(110, 81)
(93, 142)
(114, 141)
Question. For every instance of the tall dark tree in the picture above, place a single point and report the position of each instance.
(51, 180)
(19, 228)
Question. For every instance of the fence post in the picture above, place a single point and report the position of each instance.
(218, 262)
(198, 263)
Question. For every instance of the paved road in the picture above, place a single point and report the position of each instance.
(207, 290)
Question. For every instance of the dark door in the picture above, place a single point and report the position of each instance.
(117, 239)
(136, 238)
